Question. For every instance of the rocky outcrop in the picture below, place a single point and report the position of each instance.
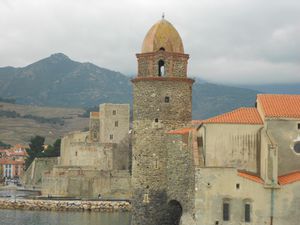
(57, 205)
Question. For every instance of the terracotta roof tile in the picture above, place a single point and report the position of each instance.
(238, 116)
(181, 131)
(251, 177)
(275, 105)
(95, 114)
(196, 122)
(289, 178)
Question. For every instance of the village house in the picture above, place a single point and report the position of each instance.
(12, 161)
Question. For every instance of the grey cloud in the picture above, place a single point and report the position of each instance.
(230, 41)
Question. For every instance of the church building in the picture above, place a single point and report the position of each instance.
(241, 167)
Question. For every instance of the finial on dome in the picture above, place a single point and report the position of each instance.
(163, 15)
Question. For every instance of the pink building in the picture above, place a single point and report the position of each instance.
(12, 161)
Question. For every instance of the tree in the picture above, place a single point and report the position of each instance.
(53, 150)
(36, 148)
(4, 145)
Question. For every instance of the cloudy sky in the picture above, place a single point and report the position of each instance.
(229, 41)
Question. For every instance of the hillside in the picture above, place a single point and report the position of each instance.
(16, 127)
(61, 82)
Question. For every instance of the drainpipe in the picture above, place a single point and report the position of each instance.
(272, 202)
(204, 145)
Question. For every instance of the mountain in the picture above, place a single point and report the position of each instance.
(61, 82)
(293, 88)
(212, 99)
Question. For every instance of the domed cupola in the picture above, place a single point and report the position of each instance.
(162, 36)
(162, 53)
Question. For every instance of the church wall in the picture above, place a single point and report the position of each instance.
(284, 132)
(180, 175)
(231, 145)
(216, 185)
(264, 155)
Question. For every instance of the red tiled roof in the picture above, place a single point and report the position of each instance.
(10, 161)
(181, 131)
(275, 105)
(238, 116)
(251, 177)
(95, 114)
(289, 178)
(195, 122)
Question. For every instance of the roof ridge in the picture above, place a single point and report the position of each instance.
(242, 115)
(279, 105)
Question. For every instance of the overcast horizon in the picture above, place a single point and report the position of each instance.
(229, 42)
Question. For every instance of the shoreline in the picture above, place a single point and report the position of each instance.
(66, 205)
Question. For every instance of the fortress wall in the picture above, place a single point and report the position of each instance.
(33, 175)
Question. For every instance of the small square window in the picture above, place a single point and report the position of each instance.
(156, 120)
(167, 99)
(111, 136)
(116, 123)
(114, 112)
(237, 186)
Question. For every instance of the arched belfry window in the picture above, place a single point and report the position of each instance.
(161, 68)
(162, 49)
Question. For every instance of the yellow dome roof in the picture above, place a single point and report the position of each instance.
(162, 35)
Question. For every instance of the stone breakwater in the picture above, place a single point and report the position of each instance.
(63, 205)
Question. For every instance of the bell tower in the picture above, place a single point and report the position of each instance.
(162, 101)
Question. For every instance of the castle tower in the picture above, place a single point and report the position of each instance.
(162, 101)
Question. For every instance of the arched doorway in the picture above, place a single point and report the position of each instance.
(174, 212)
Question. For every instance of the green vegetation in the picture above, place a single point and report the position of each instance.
(39, 119)
(37, 149)
(8, 100)
(4, 145)
(53, 150)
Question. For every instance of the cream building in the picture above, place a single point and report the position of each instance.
(246, 164)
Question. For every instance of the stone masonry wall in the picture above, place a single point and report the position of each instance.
(181, 172)
(33, 175)
(114, 122)
(175, 64)
(153, 117)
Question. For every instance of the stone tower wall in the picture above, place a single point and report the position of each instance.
(114, 122)
(94, 126)
(175, 64)
(153, 118)
(162, 101)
